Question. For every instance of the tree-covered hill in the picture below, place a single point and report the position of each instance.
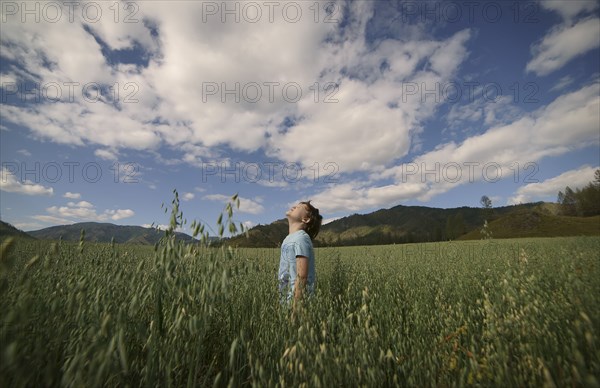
(104, 232)
(406, 224)
(7, 230)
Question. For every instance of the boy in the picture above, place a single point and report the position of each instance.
(297, 262)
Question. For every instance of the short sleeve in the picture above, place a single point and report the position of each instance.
(302, 247)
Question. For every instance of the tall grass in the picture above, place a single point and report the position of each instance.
(488, 313)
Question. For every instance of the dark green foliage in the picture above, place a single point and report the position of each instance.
(7, 230)
(410, 224)
(538, 223)
(581, 202)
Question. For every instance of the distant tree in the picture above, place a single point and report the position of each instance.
(581, 202)
(560, 198)
(593, 195)
(486, 202)
(588, 200)
(568, 204)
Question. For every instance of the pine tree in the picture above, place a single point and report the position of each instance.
(568, 205)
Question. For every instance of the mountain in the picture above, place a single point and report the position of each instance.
(7, 230)
(104, 232)
(537, 223)
(400, 224)
(405, 224)
(262, 236)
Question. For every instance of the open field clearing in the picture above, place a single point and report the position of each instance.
(520, 312)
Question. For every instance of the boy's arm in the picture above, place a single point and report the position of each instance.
(302, 272)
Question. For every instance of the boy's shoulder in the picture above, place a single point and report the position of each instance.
(299, 236)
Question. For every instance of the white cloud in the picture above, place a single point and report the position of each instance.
(273, 183)
(169, 90)
(64, 54)
(156, 226)
(6, 81)
(575, 179)
(52, 220)
(188, 196)
(106, 154)
(356, 196)
(501, 149)
(490, 113)
(84, 211)
(563, 83)
(370, 127)
(72, 195)
(77, 123)
(24, 152)
(248, 224)
(163, 227)
(374, 110)
(27, 226)
(495, 199)
(569, 9)
(251, 206)
(10, 184)
(83, 204)
(563, 43)
(329, 220)
(195, 155)
(73, 211)
(119, 214)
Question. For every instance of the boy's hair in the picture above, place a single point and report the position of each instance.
(314, 223)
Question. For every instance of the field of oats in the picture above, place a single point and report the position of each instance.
(487, 313)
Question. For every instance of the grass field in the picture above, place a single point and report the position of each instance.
(489, 313)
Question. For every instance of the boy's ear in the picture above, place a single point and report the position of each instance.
(305, 220)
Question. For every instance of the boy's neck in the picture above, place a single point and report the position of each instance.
(295, 226)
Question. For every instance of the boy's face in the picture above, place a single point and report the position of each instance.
(298, 212)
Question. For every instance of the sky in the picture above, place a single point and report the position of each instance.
(108, 107)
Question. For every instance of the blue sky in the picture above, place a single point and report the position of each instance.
(107, 107)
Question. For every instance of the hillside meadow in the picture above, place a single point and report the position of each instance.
(520, 312)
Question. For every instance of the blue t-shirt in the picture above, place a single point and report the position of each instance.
(295, 244)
